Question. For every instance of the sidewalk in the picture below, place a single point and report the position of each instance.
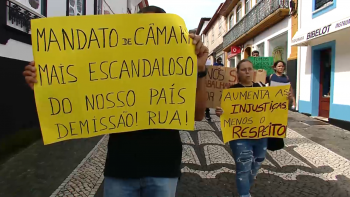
(315, 163)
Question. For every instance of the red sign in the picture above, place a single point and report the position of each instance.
(235, 50)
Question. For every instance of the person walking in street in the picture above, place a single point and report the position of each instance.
(247, 153)
(255, 53)
(207, 110)
(280, 77)
(146, 163)
(218, 62)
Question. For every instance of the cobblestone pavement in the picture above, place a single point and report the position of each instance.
(303, 169)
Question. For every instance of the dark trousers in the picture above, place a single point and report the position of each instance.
(207, 113)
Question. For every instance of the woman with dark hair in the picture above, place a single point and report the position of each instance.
(247, 153)
(280, 77)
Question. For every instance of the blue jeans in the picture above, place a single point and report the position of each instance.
(248, 155)
(144, 187)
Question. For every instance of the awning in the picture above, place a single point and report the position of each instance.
(302, 38)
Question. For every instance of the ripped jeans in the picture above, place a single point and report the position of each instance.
(249, 155)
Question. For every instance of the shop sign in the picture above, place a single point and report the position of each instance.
(235, 50)
(327, 29)
(318, 32)
(298, 39)
(342, 23)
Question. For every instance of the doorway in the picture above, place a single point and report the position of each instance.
(325, 82)
(247, 52)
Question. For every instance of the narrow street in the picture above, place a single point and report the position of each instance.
(315, 163)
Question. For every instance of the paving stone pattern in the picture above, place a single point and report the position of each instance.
(303, 169)
(85, 180)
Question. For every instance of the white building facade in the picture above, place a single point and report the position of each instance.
(16, 15)
(324, 72)
(17, 106)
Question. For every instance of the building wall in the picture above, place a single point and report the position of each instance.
(54, 9)
(133, 5)
(218, 32)
(204, 26)
(11, 50)
(308, 20)
(342, 70)
(340, 77)
(234, 11)
(278, 29)
(261, 38)
(116, 6)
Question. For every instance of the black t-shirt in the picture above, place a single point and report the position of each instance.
(145, 153)
(238, 85)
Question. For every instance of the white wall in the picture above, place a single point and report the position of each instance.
(90, 7)
(204, 26)
(16, 50)
(305, 73)
(56, 8)
(59, 8)
(133, 5)
(117, 6)
(342, 69)
(342, 59)
(308, 23)
(218, 38)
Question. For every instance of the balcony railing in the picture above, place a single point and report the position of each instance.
(19, 16)
(257, 14)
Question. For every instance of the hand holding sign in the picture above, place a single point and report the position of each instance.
(98, 76)
(253, 113)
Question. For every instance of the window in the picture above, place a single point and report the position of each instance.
(98, 7)
(76, 7)
(320, 7)
(238, 56)
(212, 36)
(232, 63)
(231, 22)
(219, 34)
(322, 3)
(35, 5)
(261, 49)
(239, 13)
(247, 6)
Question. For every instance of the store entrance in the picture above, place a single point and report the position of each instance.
(325, 82)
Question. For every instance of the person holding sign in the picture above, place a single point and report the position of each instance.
(146, 163)
(247, 153)
(279, 78)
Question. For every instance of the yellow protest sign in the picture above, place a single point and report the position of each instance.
(113, 73)
(254, 113)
